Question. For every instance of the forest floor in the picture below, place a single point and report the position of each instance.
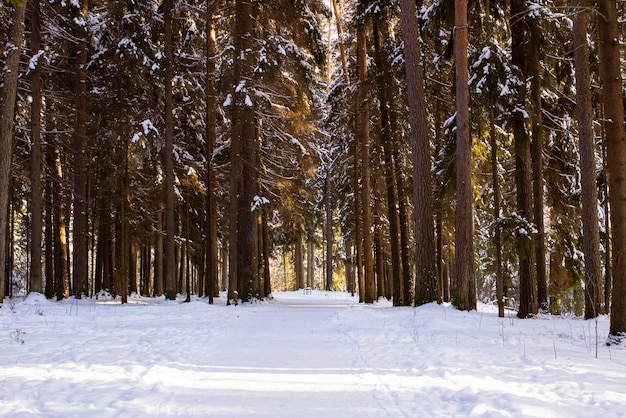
(301, 355)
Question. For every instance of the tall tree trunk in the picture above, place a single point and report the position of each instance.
(611, 81)
(7, 115)
(363, 132)
(247, 242)
(391, 183)
(537, 162)
(465, 291)
(426, 286)
(170, 221)
(584, 112)
(523, 171)
(211, 199)
(36, 280)
(80, 247)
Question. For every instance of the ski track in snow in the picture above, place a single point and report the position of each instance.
(317, 355)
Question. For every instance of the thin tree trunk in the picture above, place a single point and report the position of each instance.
(611, 82)
(36, 280)
(537, 163)
(496, 210)
(391, 183)
(211, 199)
(170, 222)
(328, 204)
(426, 286)
(589, 192)
(7, 113)
(80, 247)
(363, 132)
(158, 256)
(523, 170)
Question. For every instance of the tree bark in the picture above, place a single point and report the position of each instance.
(611, 82)
(363, 132)
(7, 115)
(170, 227)
(589, 191)
(391, 182)
(523, 171)
(247, 241)
(36, 280)
(211, 199)
(537, 163)
(426, 288)
(464, 225)
(80, 248)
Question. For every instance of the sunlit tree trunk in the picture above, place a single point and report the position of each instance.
(7, 114)
(363, 132)
(211, 199)
(465, 292)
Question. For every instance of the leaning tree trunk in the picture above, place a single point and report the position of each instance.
(426, 286)
(7, 114)
(611, 81)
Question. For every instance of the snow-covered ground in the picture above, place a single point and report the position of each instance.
(317, 355)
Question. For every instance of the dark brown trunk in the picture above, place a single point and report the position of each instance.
(465, 292)
(36, 280)
(170, 221)
(523, 169)
(537, 162)
(383, 82)
(7, 113)
(363, 132)
(211, 199)
(611, 82)
(80, 247)
(426, 286)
